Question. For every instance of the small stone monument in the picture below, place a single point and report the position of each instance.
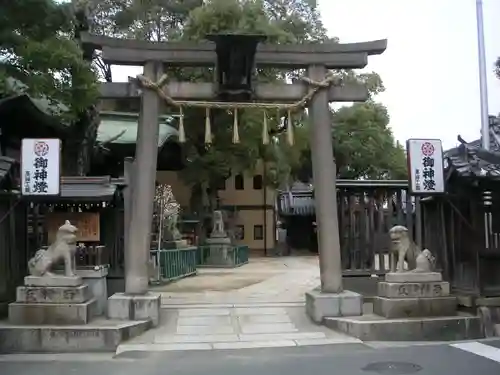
(48, 298)
(416, 292)
(220, 249)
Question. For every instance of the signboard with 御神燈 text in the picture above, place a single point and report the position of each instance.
(41, 166)
(425, 166)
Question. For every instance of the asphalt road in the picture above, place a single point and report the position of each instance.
(352, 359)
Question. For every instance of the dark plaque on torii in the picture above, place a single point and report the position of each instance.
(235, 64)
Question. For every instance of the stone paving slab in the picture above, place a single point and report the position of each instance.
(197, 330)
(238, 328)
(268, 328)
(203, 320)
(204, 312)
(254, 344)
(195, 338)
(282, 336)
(249, 319)
(264, 314)
(260, 311)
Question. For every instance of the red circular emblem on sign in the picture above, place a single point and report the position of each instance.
(41, 148)
(427, 149)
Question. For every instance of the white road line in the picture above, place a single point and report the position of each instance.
(482, 350)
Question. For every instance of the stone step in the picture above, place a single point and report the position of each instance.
(414, 307)
(372, 327)
(51, 313)
(53, 294)
(100, 335)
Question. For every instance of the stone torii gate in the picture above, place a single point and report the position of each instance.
(331, 299)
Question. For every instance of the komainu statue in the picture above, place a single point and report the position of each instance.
(63, 248)
(218, 230)
(407, 250)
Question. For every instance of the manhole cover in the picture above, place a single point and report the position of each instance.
(393, 368)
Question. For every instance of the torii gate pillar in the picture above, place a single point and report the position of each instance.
(324, 175)
(330, 299)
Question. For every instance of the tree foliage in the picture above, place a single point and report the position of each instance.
(38, 50)
(497, 68)
(282, 21)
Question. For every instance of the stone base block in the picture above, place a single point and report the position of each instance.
(490, 317)
(96, 279)
(135, 307)
(53, 294)
(51, 313)
(218, 241)
(414, 307)
(413, 277)
(488, 301)
(97, 336)
(321, 305)
(179, 244)
(56, 280)
(413, 290)
(375, 328)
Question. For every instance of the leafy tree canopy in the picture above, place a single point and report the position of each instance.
(37, 49)
(371, 153)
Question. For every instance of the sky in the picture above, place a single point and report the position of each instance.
(430, 68)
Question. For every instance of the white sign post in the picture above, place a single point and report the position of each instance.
(425, 166)
(41, 166)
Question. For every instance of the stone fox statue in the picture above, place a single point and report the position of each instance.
(64, 247)
(405, 249)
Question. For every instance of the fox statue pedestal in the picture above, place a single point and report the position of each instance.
(411, 305)
(218, 250)
(58, 312)
(414, 294)
(58, 300)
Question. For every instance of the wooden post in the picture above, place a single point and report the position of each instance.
(324, 176)
(139, 238)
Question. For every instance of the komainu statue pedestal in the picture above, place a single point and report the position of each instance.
(413, 302)
(58, 313)
(218, 250)
(414, 294)
(59, 300)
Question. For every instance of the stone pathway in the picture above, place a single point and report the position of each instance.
(234, 328)
(258, 305)
(262, 281)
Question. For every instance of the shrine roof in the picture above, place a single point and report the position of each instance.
(88, 188)
(471, 160)
(121, 128)
(299, 200)
(82, 189)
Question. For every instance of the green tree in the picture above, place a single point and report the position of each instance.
(363, 143)
(282, 21)
(39, 53)
(497, 68)
(172, 20)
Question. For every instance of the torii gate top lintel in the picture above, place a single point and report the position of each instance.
(294, 56)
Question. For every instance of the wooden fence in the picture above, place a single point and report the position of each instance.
(366, 212)
(13, 254)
